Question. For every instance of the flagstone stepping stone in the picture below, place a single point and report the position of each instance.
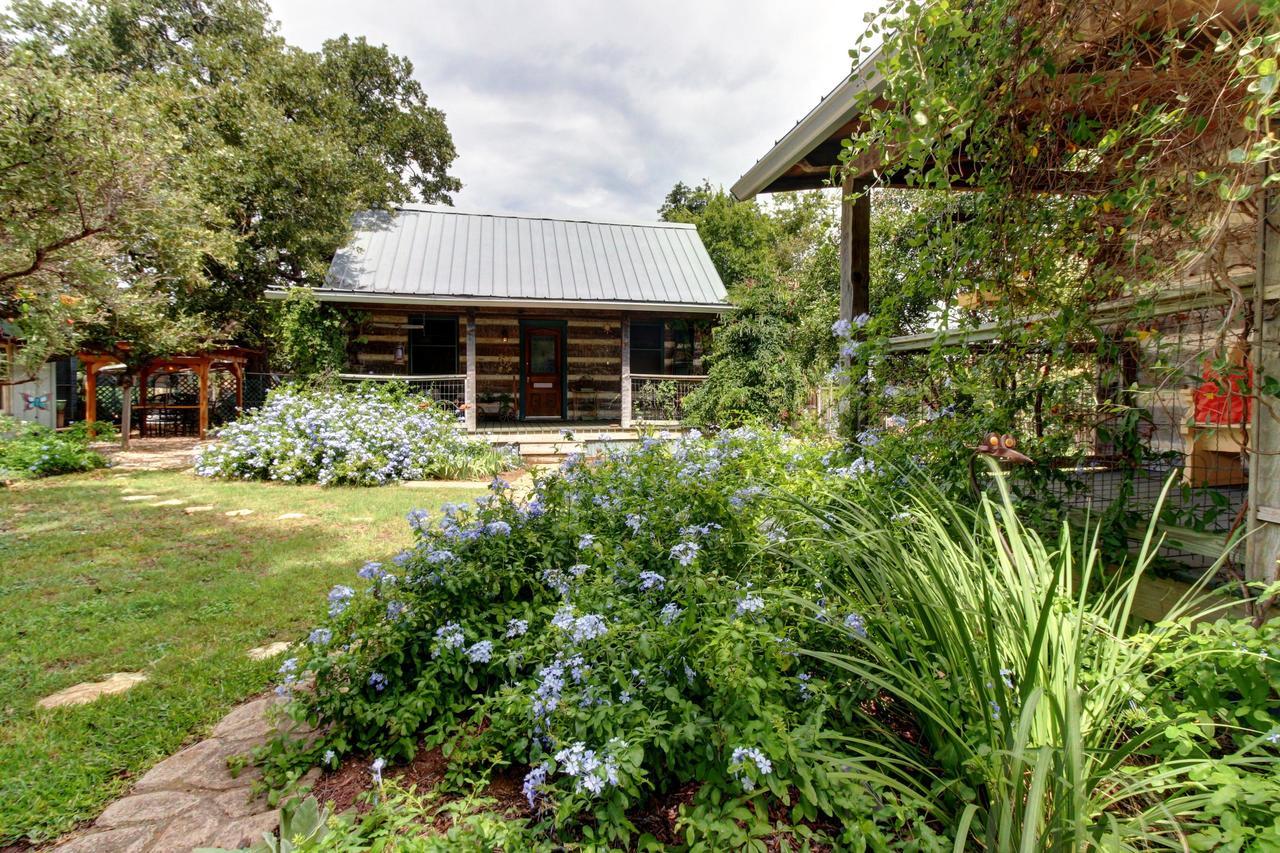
(267, 651)
(361, 519)
(139, 497)
(290, 515)
(233, 513)
(192, 510)
(192, 799)
(80, 694)
(170, 502)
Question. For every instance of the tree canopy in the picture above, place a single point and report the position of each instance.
(246, 156)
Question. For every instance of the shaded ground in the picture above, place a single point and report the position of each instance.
(92, 584)
(150, 454)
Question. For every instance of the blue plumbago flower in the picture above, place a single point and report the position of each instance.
(1274, 737)
(450, 636)
(589, 772)
(419, 519)
(849, 349)
(320, 637)
(534, 508)
(378, 681)
(694, 530)
(868, 437)
(499, 484)
(481, 652)
(740, 498)
(517, 628)
(533, 782)
(741, 762)
(329, 757)
(685, 553)
(855, 623)
(902, 517)
(995, 709)
(564, 618)
(635, 522)
(624, 697)
(856, 468)
(376, 769)
(773, 532)
(578, 569)
(895, 422)
(892, 391)
(438, 555)
(589, 627)
(651, 580)
(749, 604)
(806, 692)
(842, 328)
(1006, 675)
(498, 528)
(669, 613)
(689, 674)
(289, 666)
(339, 597)
(401, 558)
(556, 579)
(861, 320)
(370, 571)
(585, 541)
(395, 609)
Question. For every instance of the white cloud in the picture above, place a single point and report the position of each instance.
(598, 108)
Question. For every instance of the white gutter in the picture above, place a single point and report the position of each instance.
(835, 110)
(365, 298)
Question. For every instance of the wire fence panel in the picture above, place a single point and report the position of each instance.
(660, 398)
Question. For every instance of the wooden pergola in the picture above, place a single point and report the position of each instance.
(230, 359)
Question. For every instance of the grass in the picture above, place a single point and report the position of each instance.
(92, 584)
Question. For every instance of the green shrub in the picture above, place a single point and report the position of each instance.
(29, 450)
(620, 635)
(364, 435)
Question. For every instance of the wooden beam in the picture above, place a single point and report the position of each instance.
(855, 250)
(469, 392)
(625, 336)
(1262, 549)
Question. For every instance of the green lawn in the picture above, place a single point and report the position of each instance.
(91, 584)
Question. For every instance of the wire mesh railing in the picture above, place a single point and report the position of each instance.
(660, 397)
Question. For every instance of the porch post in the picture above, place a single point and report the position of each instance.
(202, 371)
(469, 391)
(1262, 548)
(855, 250)
(626, 371)
(90, 391)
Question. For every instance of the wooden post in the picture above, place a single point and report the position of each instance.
(1262, 549)
(237, 370)
(469, 391)
(855, 250)
(626, 371)
(90, 391)
(202, 371)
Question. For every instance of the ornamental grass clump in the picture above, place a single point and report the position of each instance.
(364, 435)
(1017, 709)
(618, 637)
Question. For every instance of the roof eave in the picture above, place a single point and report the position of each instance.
(420, 300)
(833, 111)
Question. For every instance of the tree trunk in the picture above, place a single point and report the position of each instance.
(126, 408)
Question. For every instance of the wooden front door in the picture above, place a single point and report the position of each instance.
(543, 371)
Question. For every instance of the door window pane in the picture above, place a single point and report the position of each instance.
(542, 355)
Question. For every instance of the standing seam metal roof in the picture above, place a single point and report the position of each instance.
(432, 251)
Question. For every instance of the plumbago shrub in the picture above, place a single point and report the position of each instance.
(365, 435)
(29, 450)
(624, 633)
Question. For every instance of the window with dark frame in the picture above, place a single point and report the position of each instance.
(682, 352)
(433, 345)
(647, 344)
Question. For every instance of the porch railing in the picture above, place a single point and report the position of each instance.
(659, 397)
(449, 389)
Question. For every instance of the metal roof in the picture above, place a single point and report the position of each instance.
(837, 109)
(430, 254)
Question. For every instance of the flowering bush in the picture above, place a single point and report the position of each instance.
(612, 646)
(30, 450)
(357, 436)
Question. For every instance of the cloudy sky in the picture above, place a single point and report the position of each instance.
(597, 108)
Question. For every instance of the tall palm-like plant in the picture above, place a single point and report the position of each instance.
(1016, 694)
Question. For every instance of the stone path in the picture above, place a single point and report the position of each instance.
(80, 694)
(149, 454)
(191, 799)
